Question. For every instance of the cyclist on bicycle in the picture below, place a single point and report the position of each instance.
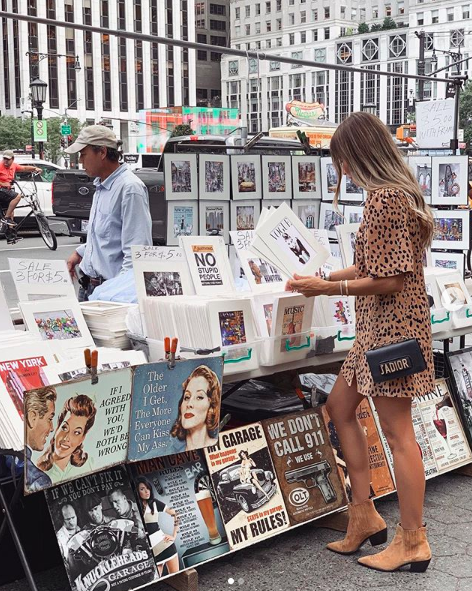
(8, 198)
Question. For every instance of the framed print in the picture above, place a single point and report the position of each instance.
(422, 170)
(59, 322)
(451, 230)
(277, 177)
(306, 177)
(353, 214)
(308, 212)
(246, 177)
(351, 192)
(214, 219)
(454, 261)
(182, 220)
(450, 180)
(329, 179)
(460, 363)
(432, 290)
(214, 177)
(347, 240)
(244, 214)
(453, 291)
(180, 176)
(330, 218)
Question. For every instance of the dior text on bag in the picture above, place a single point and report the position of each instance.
(396, 360)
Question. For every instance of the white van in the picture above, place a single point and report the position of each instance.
(43, 183)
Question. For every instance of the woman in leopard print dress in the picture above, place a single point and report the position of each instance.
(391, 305)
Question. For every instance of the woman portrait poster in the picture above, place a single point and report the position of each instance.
(84, 433)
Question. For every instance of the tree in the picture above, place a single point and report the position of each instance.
(363, 28)
(389, 23)
(180, 130)
(15, 134)
(465, 113)
(375, 27)
(52, 148)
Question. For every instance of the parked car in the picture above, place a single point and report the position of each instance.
(73, 192)
(246, 495)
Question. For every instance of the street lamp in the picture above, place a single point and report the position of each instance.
(38, 98)
(369, 108)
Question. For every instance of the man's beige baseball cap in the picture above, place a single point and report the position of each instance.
(93, 135)
(8, 154)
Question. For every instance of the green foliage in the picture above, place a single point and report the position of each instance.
(465, 113)
(180, 130)
(52, 148)
(388, 23)
(15, 133)
(375, 27)
(363, 28)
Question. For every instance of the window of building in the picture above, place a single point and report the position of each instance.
(258, 45)
(268, 43)
(202, 55)
(68, 11)
(215, 57)
(217, 40)
(237, 13)
(375, 12)
(253, 66)
(200, 23)
(278, 24)
(450, 15)
(278, 6)
(343, 12)
(279, 42)
(248, 30)
(320, 55)
(248, 10)
(291, 2)
(314, 34)
(342, 32)
(457, 38)
(275, 103)
(297, 55)
(466, 12)
(291, 39)
(268, 7)
(397, 46)
(435, 16)
(201, 38)
(86, 12)
(320, 87)
(258, 28)
(237, 31)
(388, 10)
(268, 26)
(344, 53)
(138, 17)
(344, 83)
(217, 25)
(258, 9)
(429, 41)
(303, 16)
(297, 87)
(314, 14)
(370, 88)
(274, 65)
(420, 18)
(122, 73)
(326, 33)
(370, 50)
(218, 9)
(303, 37)
(233, 68)
(291, 19)
(121, 15)
(199, 8)
(397, 94)
(401, 8)
(155, 101)
(106, 73)
(326, 11)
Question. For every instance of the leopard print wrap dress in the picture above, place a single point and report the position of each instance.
(388, 243)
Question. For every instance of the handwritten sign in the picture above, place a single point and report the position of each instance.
(157, 253)
(434, 123)
(242, 238)
(36, 277)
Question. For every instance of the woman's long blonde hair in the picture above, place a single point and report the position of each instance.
(364, 143)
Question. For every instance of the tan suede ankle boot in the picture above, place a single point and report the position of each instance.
(364, 524)
(409, 546)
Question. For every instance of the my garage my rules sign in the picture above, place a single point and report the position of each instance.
(305, 465)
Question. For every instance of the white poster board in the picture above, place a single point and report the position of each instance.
(37, 279)
(434, 123)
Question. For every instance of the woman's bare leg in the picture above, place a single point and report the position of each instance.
(342, 404)
(396, 422)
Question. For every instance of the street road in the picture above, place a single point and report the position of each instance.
(31, 247)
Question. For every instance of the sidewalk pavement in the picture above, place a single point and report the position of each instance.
(297, 560)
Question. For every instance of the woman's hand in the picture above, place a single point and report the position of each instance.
(307, 285)
(169, 538)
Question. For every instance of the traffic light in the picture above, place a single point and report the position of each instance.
(63, 142)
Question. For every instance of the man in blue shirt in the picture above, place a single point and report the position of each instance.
(119, 216)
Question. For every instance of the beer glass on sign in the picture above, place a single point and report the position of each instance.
(205, 504)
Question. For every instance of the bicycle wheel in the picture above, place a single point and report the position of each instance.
(46, 233)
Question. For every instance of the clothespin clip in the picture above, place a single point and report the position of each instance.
(88, 360)
(94, 367)
(167, 348)
(173, 350)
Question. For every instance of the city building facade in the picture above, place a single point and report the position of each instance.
(117, 78)
(212, 27)
(324, 31)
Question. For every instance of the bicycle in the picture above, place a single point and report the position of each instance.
(29, 199)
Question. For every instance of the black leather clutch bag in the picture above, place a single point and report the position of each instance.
(395, 361)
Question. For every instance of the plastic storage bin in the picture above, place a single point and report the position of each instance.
(441, 320)
(285, 348)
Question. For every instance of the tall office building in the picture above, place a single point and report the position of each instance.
(326, 31)
(117, 78)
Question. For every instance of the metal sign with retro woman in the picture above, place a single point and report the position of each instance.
(76, 428)
(175, 410)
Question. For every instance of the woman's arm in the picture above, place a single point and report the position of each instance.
(314, 286)
(173, 514)
(347, 273)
